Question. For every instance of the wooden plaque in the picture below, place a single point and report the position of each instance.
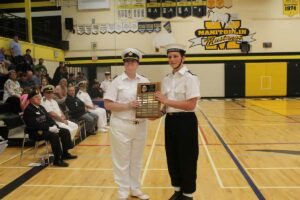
(149, 107)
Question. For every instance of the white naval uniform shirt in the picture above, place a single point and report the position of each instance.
(124, 90)
(85, 97)
(105, 84)
(51, 106)
(180, 86)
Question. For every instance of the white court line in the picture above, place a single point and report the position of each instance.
(147, 187)
(211, 161)
(151, 152)
(15, 156)
(89, 186)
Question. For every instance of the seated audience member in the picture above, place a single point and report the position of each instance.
(85, 97)
(12, 92)
(61, 90)
(33, 80)
(23, 80)
(44, 82)
(55, 113)
(40, 68)
(77, 111)
(80, 77)
(60, 72)
(41, 126)
(72, 80)
(96, 91)
(28, 61)
(24, 101)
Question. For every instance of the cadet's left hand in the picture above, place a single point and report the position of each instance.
(133, 104)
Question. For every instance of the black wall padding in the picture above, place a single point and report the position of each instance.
(235, 79)
(293, 79)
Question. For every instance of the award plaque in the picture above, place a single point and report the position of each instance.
(149, 107)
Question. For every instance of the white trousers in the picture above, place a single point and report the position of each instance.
(127, 144)
(71, 126)
(102, 118)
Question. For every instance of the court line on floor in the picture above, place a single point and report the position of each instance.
(91, 186)
(151, 152)
(16, 155)
(212, 162)
(236, 161)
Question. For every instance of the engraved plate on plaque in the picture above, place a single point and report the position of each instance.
(149, 107)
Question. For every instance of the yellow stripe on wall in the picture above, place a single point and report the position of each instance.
(22, 5)
(266, 79)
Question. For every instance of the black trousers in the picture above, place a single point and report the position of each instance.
(63, 137)
(182, 149)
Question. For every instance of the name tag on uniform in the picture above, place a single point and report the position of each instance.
(38, 113)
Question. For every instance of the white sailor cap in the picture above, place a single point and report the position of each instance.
(131, 54)
(81, 83)
(47, 88)
(175, 48)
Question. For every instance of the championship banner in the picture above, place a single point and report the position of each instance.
(219, 4)
(199, 8)
(168, 8)
(211, 4)
(184, 8)
(134, 9)
(290, 7)
(95, 29)
(168, 27)
(149, 27)
(153, 9)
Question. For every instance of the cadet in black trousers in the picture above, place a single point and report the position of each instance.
(180, 92)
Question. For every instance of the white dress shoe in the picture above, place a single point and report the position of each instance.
(140, 195)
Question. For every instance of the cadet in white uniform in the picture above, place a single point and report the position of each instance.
(180, 92)
(100, 112)
(54, 111)
(106, 82)
(128, 134)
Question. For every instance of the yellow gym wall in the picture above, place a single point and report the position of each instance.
(266, 79)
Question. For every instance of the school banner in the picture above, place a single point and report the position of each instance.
(290, 7)
(199, 8)
(168, 8)
(184, 8)
(153, 9)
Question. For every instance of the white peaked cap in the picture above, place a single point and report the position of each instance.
(131, 53)
(175, 48)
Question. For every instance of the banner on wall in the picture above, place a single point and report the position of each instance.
(141, 27)
(153, 9)
(184, 8)
(290, 7)
(199, 8)
(221, 33)
(134, 9)
(168, 8)
(219, 4)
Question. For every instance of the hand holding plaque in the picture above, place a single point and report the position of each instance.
(149, 106)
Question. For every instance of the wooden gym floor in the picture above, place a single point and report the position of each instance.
(249, 149)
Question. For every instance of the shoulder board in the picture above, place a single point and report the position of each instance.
(115, 76)
(44, 99)
(191, 73)
(168, 74)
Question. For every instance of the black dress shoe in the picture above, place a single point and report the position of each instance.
(60, 163)
(183, 197)
(176, 195)
(68, 156)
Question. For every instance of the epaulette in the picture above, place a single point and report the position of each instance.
(44, 98)
(115, 76)
(191, 73)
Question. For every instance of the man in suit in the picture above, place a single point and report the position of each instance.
(41, 126)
